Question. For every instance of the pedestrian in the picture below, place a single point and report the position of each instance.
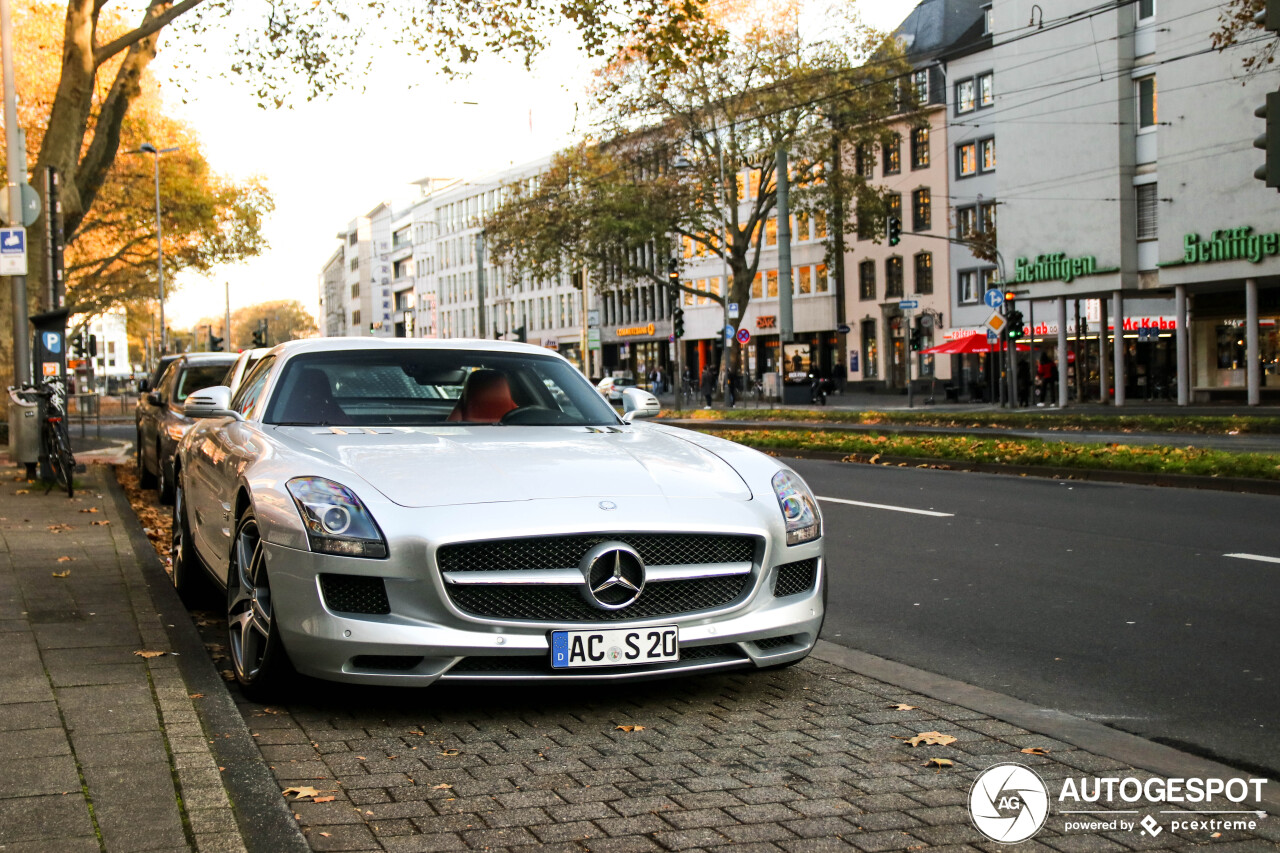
(731, 387)
(657, 380)
(839, 374)
(708, 385)
(1024, 384)
(1047, 379)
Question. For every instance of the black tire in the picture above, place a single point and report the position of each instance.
(164, 477)
(258, 658)
(189, 577)
(146, 479)
(61, 461)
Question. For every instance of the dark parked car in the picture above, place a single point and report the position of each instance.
(160, 421)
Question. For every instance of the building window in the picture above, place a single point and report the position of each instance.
(986, 89)
(893, 277)
(987, 154)
(966, 98)
(352, 238)
(967, 159)
(921, 210)
(355, 264)
(355, 290)
(1147, 211)
(986, 20)
(355, 319)
(893, 154)
(771, 231)
(870, 351)
(865, 225)
(1146, 95)
(866, 161)
(867, 280)
(920, 148)
(1146, 9)
(820, 278)
(924, 273)
(967, 286)
(893, 206)
(987, 216)
(804, 280)
(921, 82)
(966, 222)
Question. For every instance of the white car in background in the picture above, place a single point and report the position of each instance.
(405, 511)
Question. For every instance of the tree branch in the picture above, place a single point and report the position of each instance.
(150, 26)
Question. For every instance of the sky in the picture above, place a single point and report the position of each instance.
(331, 160)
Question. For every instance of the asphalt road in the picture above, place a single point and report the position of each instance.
(1111, 602)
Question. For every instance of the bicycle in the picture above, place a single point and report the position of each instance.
(55, 443)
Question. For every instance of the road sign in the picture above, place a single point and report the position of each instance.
(31, 205)
(729, 332)
(843, 329)
(593, 316)
(743, 336)
(908, 304)
(992, 337)
(733, 310)
(994, 298)
(996, 322)
(13, 251)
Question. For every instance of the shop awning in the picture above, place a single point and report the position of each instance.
(971, 345)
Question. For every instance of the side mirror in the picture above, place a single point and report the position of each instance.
(639, 403)
(144, 385)
(212, 402)
(155, 399)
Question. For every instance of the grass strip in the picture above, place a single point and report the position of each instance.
(1161, 459)
(1193, 424)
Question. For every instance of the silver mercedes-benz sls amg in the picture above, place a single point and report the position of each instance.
(389, 511)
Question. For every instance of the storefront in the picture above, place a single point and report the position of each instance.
(636, 352)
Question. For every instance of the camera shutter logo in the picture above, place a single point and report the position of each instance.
(1009, 803)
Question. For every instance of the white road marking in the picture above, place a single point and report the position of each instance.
(894, 508)
(1259, 557)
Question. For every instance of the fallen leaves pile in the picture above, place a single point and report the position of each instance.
(156, 519)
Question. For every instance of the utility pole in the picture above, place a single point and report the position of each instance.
(226, 328)
(480, 312)
(16, 162)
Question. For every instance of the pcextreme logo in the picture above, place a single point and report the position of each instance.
(1009, 803)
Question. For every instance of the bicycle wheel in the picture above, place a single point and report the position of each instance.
(61, 459)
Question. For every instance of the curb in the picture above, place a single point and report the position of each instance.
(1134, 478)
(265, 821)
(1093, 737)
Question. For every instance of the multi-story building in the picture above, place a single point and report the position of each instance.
(333, 305)
(911, 165)
(1128, 185)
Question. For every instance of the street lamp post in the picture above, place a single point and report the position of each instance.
(148, 148)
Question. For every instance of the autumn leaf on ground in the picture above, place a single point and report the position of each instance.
(1036, 750)
(301, 791)
(144, 653)
(65, 574)
(449, 751)
(418, 733)
(23, 492)
(873, 459)
(328, 799)
(90, 509)
(442, 786)
(939, 763)
(628, 728)
(103, 523)
(65, 559)
(195, 695)
(227, 674)
(59, 527)
(930, 739)
(902, 706)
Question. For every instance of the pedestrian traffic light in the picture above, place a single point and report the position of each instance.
(894, 228)
(1015, 324)
(677, 322)
(1269, 140)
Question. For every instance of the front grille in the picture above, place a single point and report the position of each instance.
(564, 552)
(771, 643)
(540, 664)
(395, 662)
(795, 578)
(566, 604)
(354, 594)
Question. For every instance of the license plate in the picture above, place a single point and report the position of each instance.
(614, 647)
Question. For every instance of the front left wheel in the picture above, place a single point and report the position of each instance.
(258, 657)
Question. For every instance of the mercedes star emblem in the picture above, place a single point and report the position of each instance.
(613, 575)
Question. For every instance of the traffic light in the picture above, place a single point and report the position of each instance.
(522, 334)
(215, 342)
(894, 228)
(677, 322)
(93, 346)
(1269, 141)
(1015, 324)
(77, 346)
(917, 339)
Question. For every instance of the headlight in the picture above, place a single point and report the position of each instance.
(799, 509)
(336, 521)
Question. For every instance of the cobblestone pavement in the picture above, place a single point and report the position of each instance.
(805, 759)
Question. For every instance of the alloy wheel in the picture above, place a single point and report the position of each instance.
(249, 613)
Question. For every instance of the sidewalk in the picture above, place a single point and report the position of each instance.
(103, 748)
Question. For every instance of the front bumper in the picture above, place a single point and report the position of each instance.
(425, 637)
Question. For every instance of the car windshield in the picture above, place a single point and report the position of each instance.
(196, 377)
(417, 387)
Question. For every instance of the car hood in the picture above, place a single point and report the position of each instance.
(438, 466)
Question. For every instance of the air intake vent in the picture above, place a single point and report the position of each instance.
(771, 643)
(398, 663)
(795, 578)
(355, 594)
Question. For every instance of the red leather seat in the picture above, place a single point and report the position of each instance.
(485, 398)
